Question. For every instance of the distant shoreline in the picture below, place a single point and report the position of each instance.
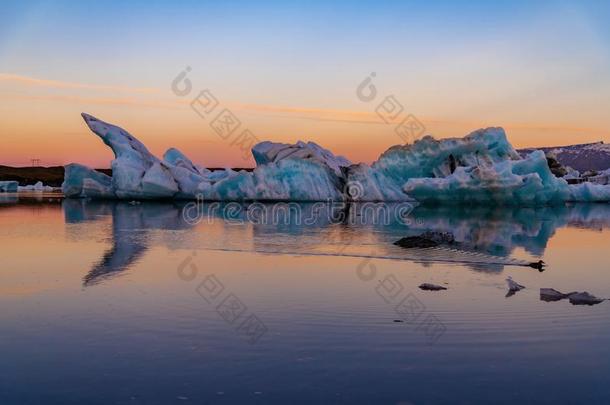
(50, 176)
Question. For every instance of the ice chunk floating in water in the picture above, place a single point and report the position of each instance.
(481, 168)
(80, 181)
(9, 186)
(513, 285)
(38, 187)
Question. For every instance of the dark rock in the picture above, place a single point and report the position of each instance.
(583, 298)
(576, 298)
(432, 287)
(415, 242)
(556, 168)
(550, 295)
(426, 240)
(539, 265)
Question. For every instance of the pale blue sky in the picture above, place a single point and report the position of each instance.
(532, 67)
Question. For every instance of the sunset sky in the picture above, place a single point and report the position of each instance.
(539, 69)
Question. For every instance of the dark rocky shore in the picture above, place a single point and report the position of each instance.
(50, 176)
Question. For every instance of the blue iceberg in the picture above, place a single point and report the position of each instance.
(9, 186)
(480, 168)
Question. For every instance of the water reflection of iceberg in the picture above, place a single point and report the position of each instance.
(8, 198)
(492, 231)
(498, 233)
(490, 235)
(131, 226)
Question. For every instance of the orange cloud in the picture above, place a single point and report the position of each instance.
(322, 114)
(448, 127)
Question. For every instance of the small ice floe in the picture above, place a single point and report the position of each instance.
(550, 295)
(134, 202)
(38, 187)
(513, 286)
(584, 298)
(432, 287)
(575, 298)
(9, 186)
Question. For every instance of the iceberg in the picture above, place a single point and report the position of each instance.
(80, 181)
(267, 152)
(589, 192)
(39, 187)
(288, 179)
(429, 157)
(136, 173)
(513, 286)
(525, 182)
(9, 186)
(176, 158)
(365, 183)
(480, 168)
(301, 172)
(430, 161)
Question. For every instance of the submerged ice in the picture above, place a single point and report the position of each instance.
(481, 168)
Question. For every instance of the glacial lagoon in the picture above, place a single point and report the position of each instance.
(178, 303)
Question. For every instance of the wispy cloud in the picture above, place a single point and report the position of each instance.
(273, 111)
(56, 84)
(120, 101)
(371, 117)
(317, 114)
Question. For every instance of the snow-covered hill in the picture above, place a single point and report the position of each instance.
(583, 157)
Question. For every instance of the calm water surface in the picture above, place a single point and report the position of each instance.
(116, 303)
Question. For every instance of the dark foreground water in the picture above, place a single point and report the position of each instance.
(114, 303)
